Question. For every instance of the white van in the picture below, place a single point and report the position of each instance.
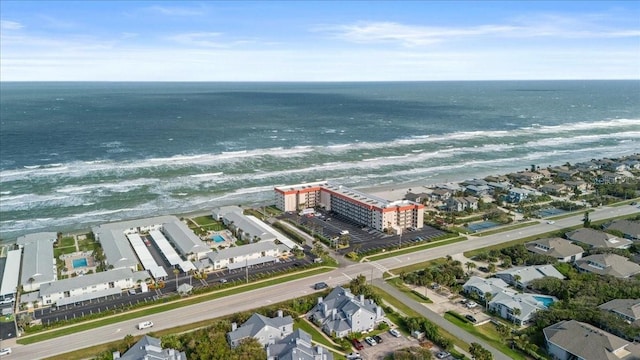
(144, 325)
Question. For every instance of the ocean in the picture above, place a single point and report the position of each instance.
(74, 155)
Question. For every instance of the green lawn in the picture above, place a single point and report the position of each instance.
(315, 333)
(71, 329)
(486, 332)
(87, 247)
(65, 250)
(67, 241)
(414, 248)
(419, 266)
(204, 220)
(398, 284)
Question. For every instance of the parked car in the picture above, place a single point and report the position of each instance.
(353, 356)
(551, 222)
(471, 318)
(223, 281)
(395, 332)
(370, 341)
(471, 304)
(320, 286)
(378, 339)
(442, 355)
(132, 291)
(357, 344)
(5, 351)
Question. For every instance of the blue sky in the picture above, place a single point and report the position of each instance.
(318, 41)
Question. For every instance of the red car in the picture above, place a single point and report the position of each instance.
(357, 344)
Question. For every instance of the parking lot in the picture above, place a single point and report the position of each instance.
(388, 345)
(362, 238)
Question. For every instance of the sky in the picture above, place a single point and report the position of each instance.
(318, 41)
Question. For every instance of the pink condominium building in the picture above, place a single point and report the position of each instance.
(367, 210)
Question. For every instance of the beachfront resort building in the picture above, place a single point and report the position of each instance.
(38, 264)
(364, 209)
(9, 285)
(238, 257)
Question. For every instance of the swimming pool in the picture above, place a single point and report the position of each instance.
(78, 263)
(217, 238)
(546, 301)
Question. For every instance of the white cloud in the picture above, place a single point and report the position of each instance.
(199, 39)
(177, 11)
(10, 25)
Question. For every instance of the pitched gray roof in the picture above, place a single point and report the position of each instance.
(629, 228)
(116, 246)
(255, 323)
(89, 280)
(530, 273)
(185, 240)
(243, 250)
(240, 221)
(555, 247)
(151, 348)
(491, 285)
(345, 304)
(608, 264)
(298, 346)
(589, 342)
(598, 239)
(627, 307)
(29, 238)
(37, 262)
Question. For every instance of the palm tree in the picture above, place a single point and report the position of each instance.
(516, 313)
(516, 279)
(176, 272)
(470, 265)
(492, 268)
(487, 298)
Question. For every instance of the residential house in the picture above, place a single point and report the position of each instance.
(441, 194)
(481, 286)
(574, 340)
(501, 179)
(577, 184)
(629, 228)
(528, 177)
(264, 329)
(517, 195)
(417, 198)
(608, 264)
(564, 173)
(526, 274)
(506, 302)
(297, 346)
(609, 178)
(586, 166)
(149, 348)
(458, 204)
(555, 189)
(561, 249)
(597, 239)
(628, 309)
(341, 313)
(478, 190)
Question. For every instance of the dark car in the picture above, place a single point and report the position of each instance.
(484, 269)
(471, 318)
(377, 338)
(320, 286)
(357, 344)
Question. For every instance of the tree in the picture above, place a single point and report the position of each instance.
(470, 265)
(586, 221)
(487, 298)
(516, 279)
(491, 267)
(516, 313)
(479, 353)
(176, 272)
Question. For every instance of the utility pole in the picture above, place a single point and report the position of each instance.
(246, 268)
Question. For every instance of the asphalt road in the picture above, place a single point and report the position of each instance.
(286, 291)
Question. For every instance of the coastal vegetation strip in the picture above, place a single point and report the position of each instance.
(507, 228)
(50, 334)
(411, 249)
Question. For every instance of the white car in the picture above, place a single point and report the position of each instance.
(353, 356)
(551, 222)
(370, 341)
(471, 304)
(395, 332)
(145, 325)
(5, 351)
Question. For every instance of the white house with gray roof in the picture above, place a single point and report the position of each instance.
(38, 264)
(627, 309)
(574, 340)
(608, 264)
(481, 286)
(297, 346)
(150, 348)
(506, 302)
(264, 329)
(527, 274)
(598, 239)
(90, 286)
(561, 249)
(10, 280)
(341, 313)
